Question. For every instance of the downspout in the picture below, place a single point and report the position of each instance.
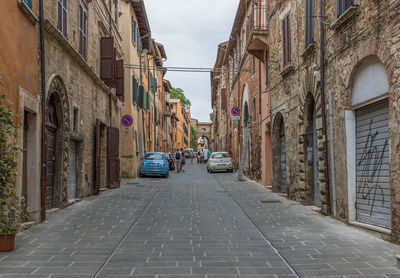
(323, 107)
(332, 154)
(110, 97)
(43, 96)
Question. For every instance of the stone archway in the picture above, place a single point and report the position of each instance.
(310, 99)
(279, 182)
(57, 100)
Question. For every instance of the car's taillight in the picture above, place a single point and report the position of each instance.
(163, 164)
(143, 164)
(212, 156)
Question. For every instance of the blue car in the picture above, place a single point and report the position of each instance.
(154, 163)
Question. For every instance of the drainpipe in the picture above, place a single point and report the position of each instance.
(332, 154)
(110, 97)
(324, 131)
(43, 95)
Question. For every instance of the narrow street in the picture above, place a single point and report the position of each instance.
(195, 225)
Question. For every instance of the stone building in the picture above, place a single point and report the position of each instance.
(362, 56)
(244, 86)
(19, 83)
(84, 75)
(134, 24)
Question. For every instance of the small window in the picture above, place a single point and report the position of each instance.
(309, 22)
(116, 12)
(286, 40)
(75, 120)
(134, 32)
(62, 11)
(343, 6)
(82, 30)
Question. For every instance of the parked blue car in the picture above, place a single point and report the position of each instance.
(154, 163)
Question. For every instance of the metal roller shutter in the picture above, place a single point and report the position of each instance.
(372, 162)
(283, 165)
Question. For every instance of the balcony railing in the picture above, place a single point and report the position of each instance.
(257, 20)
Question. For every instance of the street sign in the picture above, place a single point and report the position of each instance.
(127, 120)
(236, 118)
(235, 111)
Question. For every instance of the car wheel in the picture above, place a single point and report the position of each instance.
(208, 170)
(141, 175)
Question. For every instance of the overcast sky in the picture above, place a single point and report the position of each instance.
(190, 31)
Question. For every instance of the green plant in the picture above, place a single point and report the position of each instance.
(12, 207)
(193, 139)
(178, 93)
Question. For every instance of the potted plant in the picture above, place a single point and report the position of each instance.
(12, 208)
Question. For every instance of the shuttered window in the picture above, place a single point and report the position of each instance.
(343, 6)
(62, 11)
(145, 98)
(309, 22)
(107, 67)
(266, 68)
(135, 90)
(120, 79)
(82, 30)
(148, 102)
(134, 32)
(141, 96)
(28, 3)
(223, 99)
(286, 40)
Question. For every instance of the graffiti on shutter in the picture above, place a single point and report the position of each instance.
(372, 162)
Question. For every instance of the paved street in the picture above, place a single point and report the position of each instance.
(195, 225)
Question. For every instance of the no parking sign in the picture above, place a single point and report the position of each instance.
(127, 120)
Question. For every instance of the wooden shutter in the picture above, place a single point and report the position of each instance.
(223, 99)
(266, 68)
(113, 157)
(107, 64)
(307, 23)
(141, 96)
(120, 79)
(97, 159)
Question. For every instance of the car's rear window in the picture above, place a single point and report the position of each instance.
(221, 155)
(153, 156)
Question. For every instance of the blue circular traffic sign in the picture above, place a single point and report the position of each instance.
(235, 111)
(127, 120)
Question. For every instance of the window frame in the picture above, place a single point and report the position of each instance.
(309, 23)
(63, 28)
(286, 40)
(83, 32)
(342, 6)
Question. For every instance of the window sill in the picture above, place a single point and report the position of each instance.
(344, 17)
(28, 12)
(308, 50)
(288, 69)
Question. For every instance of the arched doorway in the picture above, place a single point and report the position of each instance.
(368, 145)
(279, 183)
(57, 143)
(311, 145)
(51, 150)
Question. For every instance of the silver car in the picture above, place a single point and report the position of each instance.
(219, 161)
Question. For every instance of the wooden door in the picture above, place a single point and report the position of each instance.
(51, 144)
(97, 160)
(113, 157)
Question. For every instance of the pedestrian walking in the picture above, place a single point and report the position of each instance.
(178, 158)
(183, 162)
(202, 156)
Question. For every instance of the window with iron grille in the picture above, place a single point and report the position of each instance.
(309, 22)
(286, 40)
(343, 6)
(82, 30)
(62, 12)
